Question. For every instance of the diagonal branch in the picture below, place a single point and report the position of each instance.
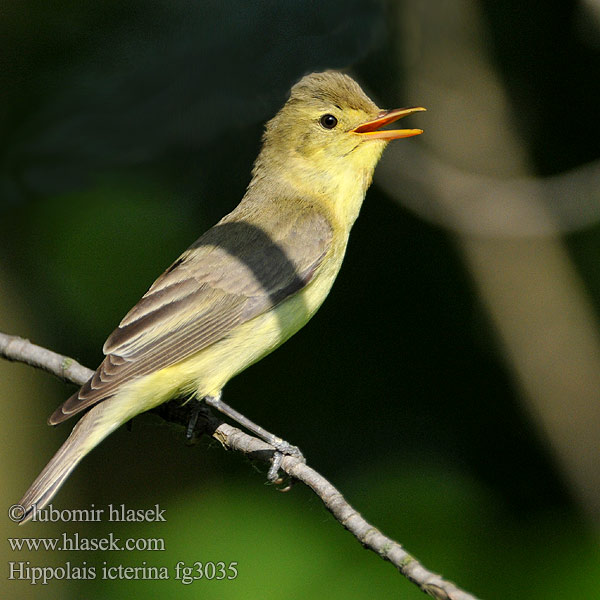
(18, 349)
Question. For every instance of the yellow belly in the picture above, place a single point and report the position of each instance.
(206, 372)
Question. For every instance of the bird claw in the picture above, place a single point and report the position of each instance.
(286, 448)
(191, 434)
(273, 474)
(282, 448)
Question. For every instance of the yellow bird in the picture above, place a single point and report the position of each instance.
(250, 282)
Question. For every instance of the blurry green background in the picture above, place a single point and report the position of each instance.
(450, 384)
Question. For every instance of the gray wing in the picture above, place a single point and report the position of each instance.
(233, 273)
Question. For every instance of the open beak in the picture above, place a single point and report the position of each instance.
(371, 129)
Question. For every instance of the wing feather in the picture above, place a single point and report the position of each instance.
(230, 275)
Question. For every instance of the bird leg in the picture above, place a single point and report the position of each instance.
(281, 446)
(191, 426)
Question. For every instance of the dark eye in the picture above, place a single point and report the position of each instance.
(328, 121)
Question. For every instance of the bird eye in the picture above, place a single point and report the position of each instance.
(328, 121)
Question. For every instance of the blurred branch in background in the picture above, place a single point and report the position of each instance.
(18, 349)
(469, 203)
(474, 178)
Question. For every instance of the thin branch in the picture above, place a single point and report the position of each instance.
(21, 350)
(18, 349)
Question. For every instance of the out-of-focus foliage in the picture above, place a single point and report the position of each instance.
(444, 385)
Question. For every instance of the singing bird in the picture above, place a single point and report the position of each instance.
(250, 282)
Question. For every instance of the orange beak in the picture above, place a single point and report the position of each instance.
(371, 129)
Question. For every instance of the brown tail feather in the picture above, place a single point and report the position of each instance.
(88, 433)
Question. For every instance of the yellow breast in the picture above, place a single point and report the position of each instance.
(206, 372)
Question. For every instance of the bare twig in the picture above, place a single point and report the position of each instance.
(18, 349)
(21, 350)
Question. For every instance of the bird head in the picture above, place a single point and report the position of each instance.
(329, 128)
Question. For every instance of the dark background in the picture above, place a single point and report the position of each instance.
(130, 128)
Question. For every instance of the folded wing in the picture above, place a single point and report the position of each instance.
(233, 273)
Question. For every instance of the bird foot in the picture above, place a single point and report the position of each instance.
(282, 448)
